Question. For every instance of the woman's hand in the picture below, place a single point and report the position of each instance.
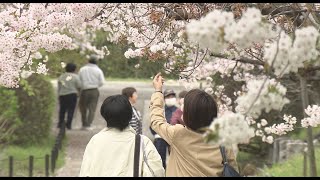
(158, 82)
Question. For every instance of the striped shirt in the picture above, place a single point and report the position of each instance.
(135, 121)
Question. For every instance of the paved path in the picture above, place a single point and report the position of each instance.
(77, 139)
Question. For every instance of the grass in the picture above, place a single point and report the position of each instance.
(293, 167)
(21, 159)
(303, 134)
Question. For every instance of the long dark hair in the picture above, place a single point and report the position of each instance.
(199, 109)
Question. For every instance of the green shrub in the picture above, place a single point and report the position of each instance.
(66, 56)
(36, 104)
(9, 119)
(21, 158)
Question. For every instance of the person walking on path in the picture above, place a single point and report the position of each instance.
(132, 94)
(68, 88)
(161, 145)
(92, 78)
(111, 152)
(190, 154)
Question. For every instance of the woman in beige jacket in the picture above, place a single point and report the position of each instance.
(111, 151)
(190, 155)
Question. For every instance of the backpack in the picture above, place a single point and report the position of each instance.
(228, 170)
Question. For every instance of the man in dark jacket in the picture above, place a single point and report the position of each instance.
(170, 107)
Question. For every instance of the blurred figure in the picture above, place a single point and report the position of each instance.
(68, 88)
(170, 107)
(177, 115)
(92, 78)
(110, 153)
(132, 95)
(190, 155)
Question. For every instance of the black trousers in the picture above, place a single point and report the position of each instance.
(67, 105)
(161, 145)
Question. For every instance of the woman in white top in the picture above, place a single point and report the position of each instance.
(111, 151)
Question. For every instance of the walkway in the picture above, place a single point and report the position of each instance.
(77, 139)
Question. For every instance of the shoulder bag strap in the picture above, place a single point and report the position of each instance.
(145, 159)
(136, 156)
(223, 154)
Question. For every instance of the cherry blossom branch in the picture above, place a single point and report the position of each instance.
(195, 67)
(232, 71)
(252, 54)
(293, 11)
(241, 59)
(156, 34)
(101, 12)
(265, 80)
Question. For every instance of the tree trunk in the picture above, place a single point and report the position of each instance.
(305, 103)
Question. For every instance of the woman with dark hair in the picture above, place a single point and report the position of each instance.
(111, 151)
(190, 154)
(132, 94)
(69, 86)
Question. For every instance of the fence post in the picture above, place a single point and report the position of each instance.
(61, 129)
(305, 161)
(52, 160)
(30, 165)
(10, 166)
(56, 157)
(60, 141)
(47, 165)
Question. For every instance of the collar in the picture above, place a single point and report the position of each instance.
(127, 129)
(90, 64)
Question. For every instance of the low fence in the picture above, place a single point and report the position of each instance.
(29, 162)
(24, 164)
(57, 147)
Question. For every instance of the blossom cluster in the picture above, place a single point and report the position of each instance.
(314, 116)
(218, 28)
(287, 56)
(272, 96)
(232, 128)
(25, 29)
(282, 128)
(133, 53)
(208, 32)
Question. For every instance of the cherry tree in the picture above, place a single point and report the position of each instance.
(277, 50)
(256, 44)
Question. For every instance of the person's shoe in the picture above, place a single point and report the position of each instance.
(89, 128)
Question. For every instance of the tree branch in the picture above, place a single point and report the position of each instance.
(314, 68)
(101, 12)
(242, 59)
